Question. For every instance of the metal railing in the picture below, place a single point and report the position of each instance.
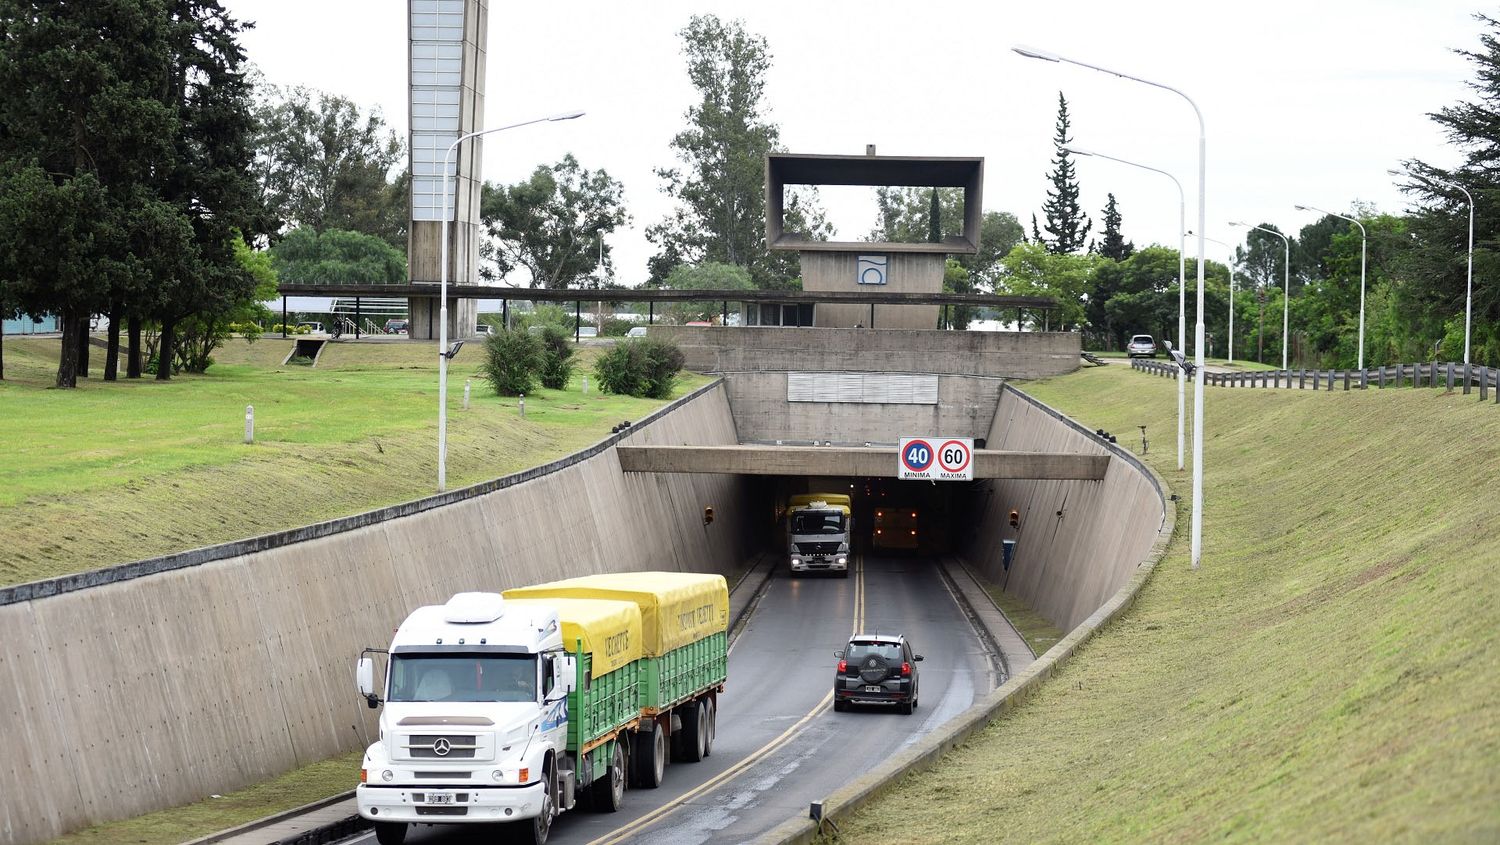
(1443, 375)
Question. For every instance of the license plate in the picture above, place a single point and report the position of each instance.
(872, 689)
(440, 798)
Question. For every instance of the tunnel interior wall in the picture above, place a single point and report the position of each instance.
(1065, 567)
(965, 408)
(120, 699)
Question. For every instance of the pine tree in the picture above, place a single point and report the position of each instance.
(1438, 261)
(1066, 222)
(1114, 244)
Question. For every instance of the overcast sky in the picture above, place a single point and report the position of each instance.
(1307, 102)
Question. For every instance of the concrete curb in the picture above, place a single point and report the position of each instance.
(929, 751)
(251, 826)
(748, 588)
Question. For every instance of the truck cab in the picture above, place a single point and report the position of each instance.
(819, 527)
(475, 721)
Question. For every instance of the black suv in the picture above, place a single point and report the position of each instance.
(876, 669)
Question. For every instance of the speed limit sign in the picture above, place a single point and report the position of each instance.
(936, 459)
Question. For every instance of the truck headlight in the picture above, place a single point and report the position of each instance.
(843, 561)
(497, 775)
(387, 775)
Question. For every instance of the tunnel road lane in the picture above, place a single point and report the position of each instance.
(779, 744)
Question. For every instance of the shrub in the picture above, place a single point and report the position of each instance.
(511, 361)
(557, 357)
(615, 327)
(663, 362)
(621, 369)
(646, 367)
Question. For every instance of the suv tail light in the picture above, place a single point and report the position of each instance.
(905, 670)
(843, 666)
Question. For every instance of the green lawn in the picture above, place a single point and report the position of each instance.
(111, 473)
(1331, 673)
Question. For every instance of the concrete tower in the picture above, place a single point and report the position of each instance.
(445, 72)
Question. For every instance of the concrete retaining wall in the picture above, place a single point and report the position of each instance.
(759, 348)
(1065, 566)
(966, 407)
(118, 697)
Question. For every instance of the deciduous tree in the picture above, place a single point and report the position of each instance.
(552, 225)
(324, 163)
(719, 184)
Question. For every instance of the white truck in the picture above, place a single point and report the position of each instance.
(505, 709)
(818, 527)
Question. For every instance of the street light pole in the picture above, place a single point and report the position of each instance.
(1230, 265)
(1181, 284)
(1469, 287)
(1364, 241)
(1286, 276)
(443, 353)
(1198, 327)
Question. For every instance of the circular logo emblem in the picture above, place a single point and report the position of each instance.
(442, 747)
(917, 456)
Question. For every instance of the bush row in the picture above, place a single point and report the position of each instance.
(517, 360)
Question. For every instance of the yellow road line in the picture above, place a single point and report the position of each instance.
(651, 818)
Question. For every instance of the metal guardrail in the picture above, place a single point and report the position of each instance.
(1448, 376)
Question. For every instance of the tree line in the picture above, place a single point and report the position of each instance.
(1416, 275)
(181, 188)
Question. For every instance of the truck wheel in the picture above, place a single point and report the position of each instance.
(690, 744)
(608, 792)
(535, 831)
(648, 763)
(390, 833)
(711, 713)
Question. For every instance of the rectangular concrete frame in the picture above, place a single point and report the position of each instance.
(784, 169)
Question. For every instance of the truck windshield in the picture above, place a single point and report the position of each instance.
(463, 677)
(817, 522)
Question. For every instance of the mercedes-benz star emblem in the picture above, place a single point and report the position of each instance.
(442, 747)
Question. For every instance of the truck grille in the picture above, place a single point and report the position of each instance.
(442, 811)
(818, 548)
(441, 746)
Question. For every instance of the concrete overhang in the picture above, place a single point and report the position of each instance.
(856, 461)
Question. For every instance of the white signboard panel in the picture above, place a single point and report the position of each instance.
(935, 459)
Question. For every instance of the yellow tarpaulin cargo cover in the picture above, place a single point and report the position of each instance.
(677, 608)
(610, 630)
(832, 500)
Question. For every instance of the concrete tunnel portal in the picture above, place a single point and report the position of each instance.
(891, 516)
(838, 432)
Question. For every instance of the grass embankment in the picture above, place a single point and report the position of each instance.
(110, 473)
(180, 824)
(1331, 673)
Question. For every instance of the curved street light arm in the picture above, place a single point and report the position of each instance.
(1197, 526)
(1182, 373)
(1286, 279)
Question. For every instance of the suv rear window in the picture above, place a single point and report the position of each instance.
(858, 651)
(1141, 338)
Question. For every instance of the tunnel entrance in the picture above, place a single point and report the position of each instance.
(890, 517)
